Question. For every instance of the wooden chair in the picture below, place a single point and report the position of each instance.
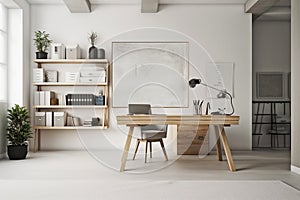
(149, 133)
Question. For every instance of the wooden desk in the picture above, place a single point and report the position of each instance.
(218, 121)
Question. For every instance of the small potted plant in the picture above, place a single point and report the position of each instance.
(93, 51)
(42, 42)
(18, 132)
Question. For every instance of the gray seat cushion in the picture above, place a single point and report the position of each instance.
(153, 134)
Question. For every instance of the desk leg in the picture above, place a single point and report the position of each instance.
(218, 144)
(126, 149)
(227, 150)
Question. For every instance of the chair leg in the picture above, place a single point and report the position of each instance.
(136, 148)
(146, 151)
(150, 149)
(163, 148)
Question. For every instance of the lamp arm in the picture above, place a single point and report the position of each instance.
(212, 87)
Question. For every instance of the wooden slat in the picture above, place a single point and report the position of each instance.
(74, 106)
(69, 127)
(68, 61)
(68, 84)
(177, 119)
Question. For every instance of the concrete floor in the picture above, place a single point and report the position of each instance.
(71, 166)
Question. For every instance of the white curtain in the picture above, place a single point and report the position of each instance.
(3, 77)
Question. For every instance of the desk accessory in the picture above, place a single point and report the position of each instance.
(222, 94)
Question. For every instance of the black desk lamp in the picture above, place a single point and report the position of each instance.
(222, 94)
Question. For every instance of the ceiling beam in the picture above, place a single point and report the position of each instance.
(78, 6)
(149, 6)
(258, 7)
(9, 3)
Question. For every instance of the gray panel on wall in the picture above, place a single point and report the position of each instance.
(150, 72)
(270, 85)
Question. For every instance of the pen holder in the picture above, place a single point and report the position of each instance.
(198, 109)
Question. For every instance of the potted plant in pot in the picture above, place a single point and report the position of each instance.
(18, 132)
(42, 42)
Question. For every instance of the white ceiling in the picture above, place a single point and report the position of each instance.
(139, 1)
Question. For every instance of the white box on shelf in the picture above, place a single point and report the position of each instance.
(48, 96)
(38, 75)
(59, 118)
(57, 51)
(71, 77)
(42, 98)
(91, 79)
(49, 118)
(40, 119)
(51, 76)
(92, 73)
(73, 52)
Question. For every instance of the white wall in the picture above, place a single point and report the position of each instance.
(271, 53)
(224, 31)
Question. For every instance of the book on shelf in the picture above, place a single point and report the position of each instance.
(43, 98)
(49, 118)
(80, 99)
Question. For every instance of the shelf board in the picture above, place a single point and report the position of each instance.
(70, 127)
(68, 84)
(68, 61)
(271, 123)
(75, 106)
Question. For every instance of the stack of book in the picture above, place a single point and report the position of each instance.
(87, 123)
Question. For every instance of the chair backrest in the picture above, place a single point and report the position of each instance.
(139, 109)
(146, 109)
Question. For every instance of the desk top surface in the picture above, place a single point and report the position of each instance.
(177, 119)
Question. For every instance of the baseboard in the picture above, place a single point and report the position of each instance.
(2, 155)
(295, 169)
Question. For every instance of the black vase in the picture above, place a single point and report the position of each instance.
(41, 55)
(17, 152)
(93, 52)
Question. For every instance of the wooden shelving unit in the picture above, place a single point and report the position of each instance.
(39, 87)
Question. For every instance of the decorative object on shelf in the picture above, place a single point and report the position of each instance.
(42, 42)
(54, 101)
(57, 51)
(51, 76)
(100, 99)
(101, 53)
(70, 121)
(95, 121)
(18, 132)
(93, 51)
(73, 52)
(222, 94)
